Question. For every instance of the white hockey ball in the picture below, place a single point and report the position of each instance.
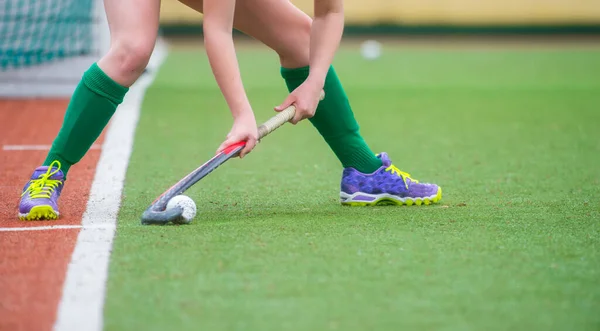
(188, 206)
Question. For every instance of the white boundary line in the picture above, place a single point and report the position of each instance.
(82, 304)
(58, 227)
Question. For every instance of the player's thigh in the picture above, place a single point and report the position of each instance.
(134, 22)
(277, 23)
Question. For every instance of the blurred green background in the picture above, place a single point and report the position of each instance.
(417, 16)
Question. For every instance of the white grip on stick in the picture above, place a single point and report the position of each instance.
(278, 120)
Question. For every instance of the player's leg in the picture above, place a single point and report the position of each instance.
(133, 27)
(286, 29)
(367, 179)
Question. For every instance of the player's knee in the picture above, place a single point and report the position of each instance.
(295, 52)
(131, 57)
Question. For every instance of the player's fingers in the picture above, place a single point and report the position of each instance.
(300, 113)
(250, 144)
(228, 142)
(297, 118)
(311, 113)
(286, 103)
(221, 148)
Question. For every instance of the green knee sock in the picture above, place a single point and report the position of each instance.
(336, 123)
(92, 105)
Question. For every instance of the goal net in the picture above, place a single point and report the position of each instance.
(46, 45)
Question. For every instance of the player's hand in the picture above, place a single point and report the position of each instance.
(306, 99)
(244, 129)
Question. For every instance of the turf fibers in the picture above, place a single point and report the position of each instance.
(512, 136)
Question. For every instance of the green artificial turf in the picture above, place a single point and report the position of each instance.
(512, 136)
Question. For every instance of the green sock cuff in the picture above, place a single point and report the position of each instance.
(65, 164)
(99, 82)
(295, 73)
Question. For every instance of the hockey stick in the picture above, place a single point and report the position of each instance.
(156, 213)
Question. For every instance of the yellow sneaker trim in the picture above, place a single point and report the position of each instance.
(395, 171)
(388, 200)
(44, 186)
(43, 212)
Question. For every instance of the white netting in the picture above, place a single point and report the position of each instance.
(45, 45)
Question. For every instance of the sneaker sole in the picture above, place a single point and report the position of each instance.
(39, 213)
(387, 199)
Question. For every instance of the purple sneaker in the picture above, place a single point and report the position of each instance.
(387, 185)
(40, 195)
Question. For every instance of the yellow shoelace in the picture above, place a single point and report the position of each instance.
(44, 186)
(400, 173)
